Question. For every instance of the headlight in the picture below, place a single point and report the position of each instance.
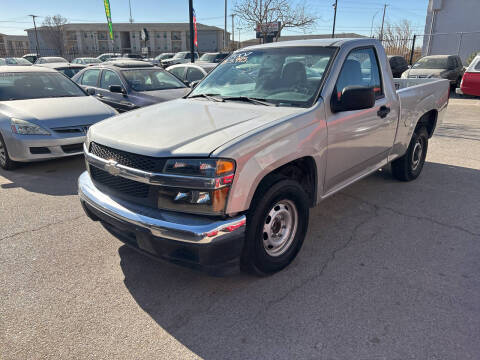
(24, 127)
(218, 173)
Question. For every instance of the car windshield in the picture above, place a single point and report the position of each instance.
(52, 60)
(431, 63)
(180, 55)
(91, 61)
(289, 76)
(14, 61)
(208, 57)
(70, 71)
(36, 85)
(151, 80)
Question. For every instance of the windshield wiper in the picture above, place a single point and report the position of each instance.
(249, 99)
(213, 97)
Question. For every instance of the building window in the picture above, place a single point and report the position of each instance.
(133, 35)
(176, 35)
(85, 35)
(164, 35)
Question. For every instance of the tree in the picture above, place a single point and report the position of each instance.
(53, 28)
(397, 37)
(289, 13)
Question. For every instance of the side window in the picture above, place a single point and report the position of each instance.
(109, 78)
(477, 67)
(194, 74)
(178, 72)
(90, 77)
(360, 69)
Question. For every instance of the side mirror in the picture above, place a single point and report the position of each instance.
(353, 98)
(194, 83)
(186, 82)
(117, 89)
(90, 91)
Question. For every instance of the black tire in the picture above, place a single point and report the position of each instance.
(409, 166)
(5, 162)
(290, 198)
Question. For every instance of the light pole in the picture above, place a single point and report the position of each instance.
(36, 35)
(225, 28)
(130, 7)
(383, 21)
(334, 18)
(192, 42)
(233, 30)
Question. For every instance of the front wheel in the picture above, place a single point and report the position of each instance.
(409, 166)
(276, 226)
(5, 162)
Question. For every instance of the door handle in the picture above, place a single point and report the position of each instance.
(100, 95)
(383, 111)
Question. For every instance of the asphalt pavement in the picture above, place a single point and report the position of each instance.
(389, 270)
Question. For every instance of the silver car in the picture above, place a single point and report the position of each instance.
(43, 115)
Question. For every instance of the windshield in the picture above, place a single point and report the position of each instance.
(431, 63)
(208, 57)
(36, 85)
(180, 55)
(91, 61)
(151, 79)
(14, 61)
(69, 71)
(289, 76)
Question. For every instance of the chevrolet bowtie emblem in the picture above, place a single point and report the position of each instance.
(112, 168)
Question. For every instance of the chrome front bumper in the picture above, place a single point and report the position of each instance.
(169, 225)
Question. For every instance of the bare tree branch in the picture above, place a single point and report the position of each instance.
(53, 27)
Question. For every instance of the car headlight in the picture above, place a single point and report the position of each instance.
(206, 200)
(23, 127)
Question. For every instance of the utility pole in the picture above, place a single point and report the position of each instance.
(130, 7)
(225, 28)
(238, 38)
(36, 35)
(334, 18)
(383, 21)
(233, 29)
(192, 43)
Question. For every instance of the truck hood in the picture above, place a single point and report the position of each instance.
(58, 112)
(183, 127)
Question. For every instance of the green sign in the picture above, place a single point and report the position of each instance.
(109, 17)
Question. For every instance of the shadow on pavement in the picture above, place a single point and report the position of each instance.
(380, 262)
(53, 177)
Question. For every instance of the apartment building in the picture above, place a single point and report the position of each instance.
(11, 45)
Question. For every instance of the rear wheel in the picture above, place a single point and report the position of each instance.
(410, 165)
(276, 226)
(5, 162)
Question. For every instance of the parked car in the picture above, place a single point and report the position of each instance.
(132, 56)
(226, 176)
(398, 64)
(50, 59)
(178, 58)
(470, 84)
(437, 66)
(215, 57)
(43, 115)
(157, 59)
(30, 57)
(190, 73)
(66, 69)
(14, 61)
(129, 84)
(86, 61)
(108, 56)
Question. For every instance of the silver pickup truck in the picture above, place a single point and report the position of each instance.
(224, 178)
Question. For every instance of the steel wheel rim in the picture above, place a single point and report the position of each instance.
(279, 228)
(417, 154)
(3, 154)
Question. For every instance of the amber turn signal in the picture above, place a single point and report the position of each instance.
(225, 166)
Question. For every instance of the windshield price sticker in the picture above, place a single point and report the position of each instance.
(241, 57)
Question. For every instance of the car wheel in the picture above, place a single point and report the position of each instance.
(5, 162)
(276, 226)
(409, 166)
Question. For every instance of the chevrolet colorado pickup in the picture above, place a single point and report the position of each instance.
(224, 178)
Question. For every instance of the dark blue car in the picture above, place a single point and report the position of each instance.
(127, 84)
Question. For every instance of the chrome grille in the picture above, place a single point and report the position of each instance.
(119, 184)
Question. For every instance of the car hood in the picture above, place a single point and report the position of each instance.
(58, 112)
(153, 97)
(183, 127)
(426, 72)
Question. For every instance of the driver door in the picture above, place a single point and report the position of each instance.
(116, 100)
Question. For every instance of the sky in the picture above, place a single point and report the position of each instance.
(352, 15)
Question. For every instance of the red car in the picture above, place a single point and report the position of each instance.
(470, 84)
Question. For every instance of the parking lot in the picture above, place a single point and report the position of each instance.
(389, 270)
